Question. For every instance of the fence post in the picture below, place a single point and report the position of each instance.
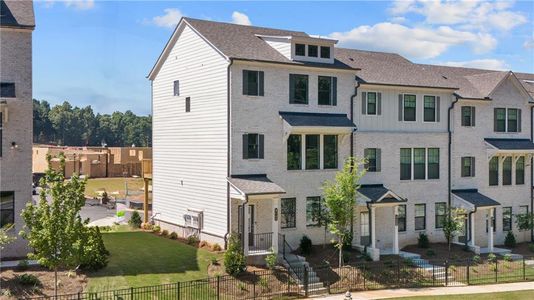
(305, 281)
(218, 287)
(468, 266)
(178, 290)
(398, 271)
(288, 282)
(363, 275)
(447, 273)
(284, 247)
(433, 275)
(131, 293)
(79, 295)
(524, 274)
(496, 270)
(254, 285)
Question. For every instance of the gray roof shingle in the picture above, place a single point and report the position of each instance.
(376, 191)
(474, 197)
(511, 144)
(17, 13)
(316, 119)
(255, 184)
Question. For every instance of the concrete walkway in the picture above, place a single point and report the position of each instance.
(472, 289)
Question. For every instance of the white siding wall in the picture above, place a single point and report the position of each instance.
(190, 149)
(281, 45)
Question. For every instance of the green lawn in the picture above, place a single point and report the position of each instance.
(142, 259)
(112, 185)
(519, 295)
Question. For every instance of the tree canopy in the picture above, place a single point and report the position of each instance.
(69, 125)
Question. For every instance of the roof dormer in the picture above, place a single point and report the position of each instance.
(303, 48)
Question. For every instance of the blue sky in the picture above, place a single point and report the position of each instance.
(98, 53)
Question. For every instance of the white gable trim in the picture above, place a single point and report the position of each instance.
(515, 81)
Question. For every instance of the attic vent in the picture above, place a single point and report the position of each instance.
(444, 77)
(351, 59)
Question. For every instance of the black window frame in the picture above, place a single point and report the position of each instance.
(406, 167)
(7, 211)
(432, 162)
(313, 212)
(371, 159)
(512, 125)
(176, 88)
(299, 47)
(187, 104)
(507, 171)
(312, 162)
(468, 116)
(330, 160)
(298, 154)
(493, 167)
(412, 110)
(419, 166)
(520, 170)
(327, 96)
(256, 86)
(416, 217)
(294, 80)
(8, 90)
(313, 51)
(401, 218)
(370, 105)
(507, 218)
(325, 52)
(440, 215)
(254, 146)
(500, 123)
(433, 109)
(288, 213)
(468, 166)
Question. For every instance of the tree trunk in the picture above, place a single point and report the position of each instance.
(340, 252)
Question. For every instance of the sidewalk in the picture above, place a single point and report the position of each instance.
(472, 289)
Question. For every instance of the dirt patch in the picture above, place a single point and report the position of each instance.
(329, 255)
(521, 248)
(440, 251)
(68, 283)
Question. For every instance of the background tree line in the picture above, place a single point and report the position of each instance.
(69, 125)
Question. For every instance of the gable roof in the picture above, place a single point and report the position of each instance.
(17, 14)
(254, 184)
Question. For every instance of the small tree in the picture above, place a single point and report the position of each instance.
(5, 238)
(340, 197)
(234, 260)
(453, 224)
(135, 220)
(525, 221)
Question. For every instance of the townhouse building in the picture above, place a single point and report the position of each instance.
(249, 122)
(16, 117)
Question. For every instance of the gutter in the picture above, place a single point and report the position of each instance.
(228, 141)
(449, 130)
(352, 137)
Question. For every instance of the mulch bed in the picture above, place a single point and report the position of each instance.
(521, 248)
(67, 284)
(440, 251)
(328, 255)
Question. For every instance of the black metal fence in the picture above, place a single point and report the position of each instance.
(303, 282)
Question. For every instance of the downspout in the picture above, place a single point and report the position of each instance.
(470, 224)
(449, 130)
(228, 141)
(352, 145)
(531, 175)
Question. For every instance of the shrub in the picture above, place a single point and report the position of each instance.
(264, 283)
(173, 235)
(28, 279)
(271, 260)
(234, 260)
(105, 228)
(214, 261)
(422, 241)
(216, 247)
(531, 247)
(492, 258)
(203, 244)
(135, 220)
(241, 286)
(165, 232)
(156, 229)
(507, 257)
(509, 240)
(347, 242)
(23, 264)
(147, 226)
(94, 254)
(305, 245)
(192, 240)
(476, 259)
(430, 252)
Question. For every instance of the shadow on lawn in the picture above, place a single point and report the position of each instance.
(135, 253)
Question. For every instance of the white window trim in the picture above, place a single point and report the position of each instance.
(376, 104)
(403, 114)
(435, 109)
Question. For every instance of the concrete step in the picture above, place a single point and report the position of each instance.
(410, 255)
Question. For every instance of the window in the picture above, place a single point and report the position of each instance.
(520, 170)
(430, 109)
(300, 49)
(494, 171)
(512, 120)
(419, 162)
(441, 212)
(289, 210)
(312, 151)
(433, 163)
(7, 90)
(193, 220)
(253, 146)
(420, 216)
(364, 228)
(327, 90)
(187, 104)
(330, 151)
(406, 164)
(401, 217)
(468, 166)
(176, 88)
(253, 83)
(371, 103)
(7, 208)
(468, 116)
(506, 219)
(298, 89)
(409, 107)
(492, 220)
(507, 171)
(325, 52)
(313, 211)
(313, 50)
(372, 159)
(500, 120)
(294, 155)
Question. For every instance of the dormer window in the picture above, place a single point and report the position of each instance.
(325, 52)
(313, 50)
(300, 49)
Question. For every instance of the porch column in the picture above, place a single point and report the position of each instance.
(396, 233)
(472, 228)
(373, 238)
(490, 230)
(275, 217)
(245, 229)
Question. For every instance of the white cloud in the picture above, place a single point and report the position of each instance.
(171, 17)
(76, 4)
(490, 64)
(529, 43)
(240, 18)
(472, 14)
(417, 42)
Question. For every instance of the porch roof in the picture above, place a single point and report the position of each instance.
(254, 184)
(377, 193)
(300, 119)
(473, 197)
(510, 144)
